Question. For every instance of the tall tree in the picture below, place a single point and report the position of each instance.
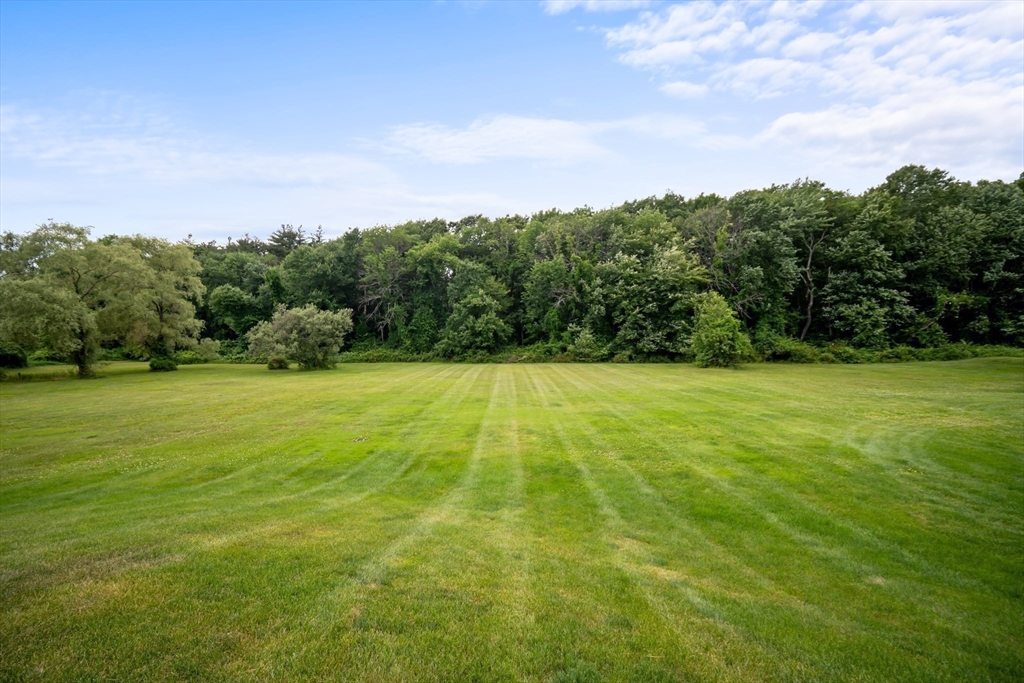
(382, 289)
(68, 293)
(807, 223)
(862, 297)
(477, 301)
(159, 315)
(646, 304)
(285, 240)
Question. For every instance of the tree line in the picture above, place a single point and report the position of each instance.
(921, 260)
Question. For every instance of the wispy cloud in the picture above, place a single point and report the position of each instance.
(133, 168)
(555, 141)
(563, 6)
(936, 81)
(499, 137)
(114, 136)
(684, 90)
(979, 130)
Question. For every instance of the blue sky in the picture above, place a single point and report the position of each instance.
(223, 118)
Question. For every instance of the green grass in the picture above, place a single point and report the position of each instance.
(515, 522)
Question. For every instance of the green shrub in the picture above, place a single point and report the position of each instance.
(236, 352)
(116, 353)
(652, 358)
(586, 347)
(12, 356)
(953, 352)
(277, 363)
(162, 365)
(717, 339)
(208, 350)
(784, 349)
(308, 335)
(46, 357)
(989, 351)
(370, 354)
(540, 352)
(535, 353)
(480, 356)
(687, 356)
(898, 354)
(124, 353)
(189, 358)
(843, 353)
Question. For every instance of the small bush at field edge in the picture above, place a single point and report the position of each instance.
(12, 356)
(162, 365)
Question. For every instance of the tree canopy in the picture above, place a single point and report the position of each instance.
(307, 335)
(62, 291)
(922, 260)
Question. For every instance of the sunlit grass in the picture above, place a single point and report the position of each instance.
(503, 522)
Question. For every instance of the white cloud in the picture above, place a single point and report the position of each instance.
(810, 44)
(680, 33)
(973, 125)
(106, 140)
(500, 137)
(684, 90)
(563, 6)
(116, 164)
(787, 9)
(763, 77)
(665, 127)
(891, 82)
(769, 35)
(537, 139)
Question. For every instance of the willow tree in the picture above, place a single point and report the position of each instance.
(56, 286)
(61, 291)
(159, 315)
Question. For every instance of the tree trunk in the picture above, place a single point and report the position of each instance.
(810, 304)
(808, 279)
(80, 357)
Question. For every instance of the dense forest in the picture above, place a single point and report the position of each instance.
(922, 260)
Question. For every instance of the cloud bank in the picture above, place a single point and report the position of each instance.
(931, 82)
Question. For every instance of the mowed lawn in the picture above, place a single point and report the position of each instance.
(455, 522)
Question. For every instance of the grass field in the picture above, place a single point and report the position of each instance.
(515, 522)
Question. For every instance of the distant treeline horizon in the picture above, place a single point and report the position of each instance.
(922, 259)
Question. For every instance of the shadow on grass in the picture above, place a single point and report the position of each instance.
(53, 373)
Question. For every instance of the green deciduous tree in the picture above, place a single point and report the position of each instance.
(159, 315)
(63, 291)
(718, 340)
(382, 288)
(646, 303)
(475, 323)
(321, 274)
(235, 308)
(67, 293)
(306, 335)
(862, 298)
(551, 298)
(807, 222)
